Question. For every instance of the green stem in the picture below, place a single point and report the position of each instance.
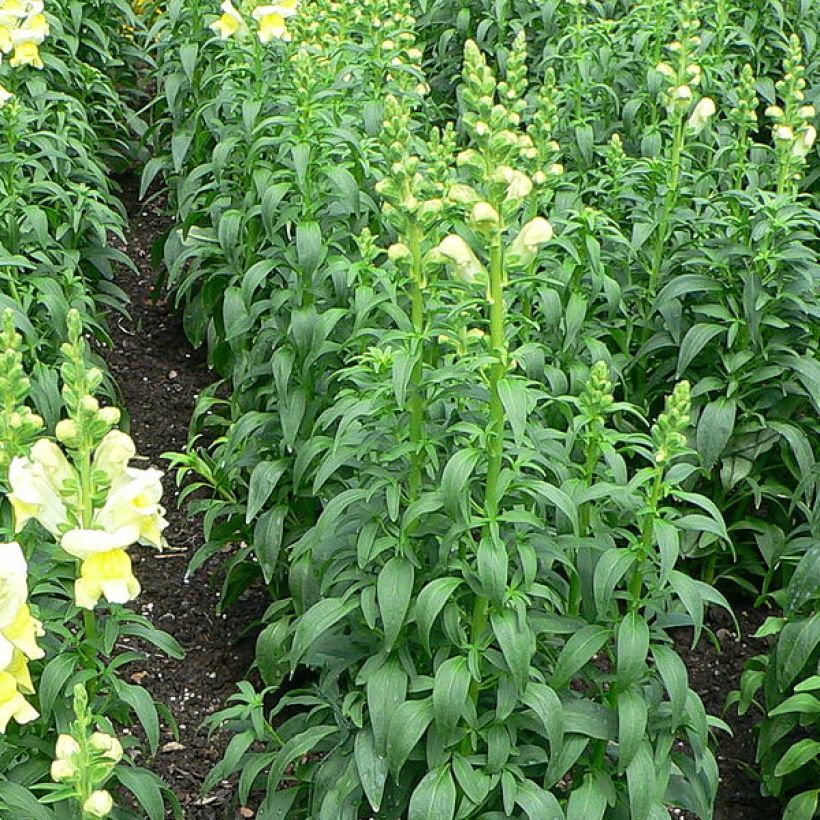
(670, 200)
(498, 346)
(416, 397)
(497, 421)
(647, 533)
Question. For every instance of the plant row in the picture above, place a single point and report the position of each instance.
(71, 503)
(515, 379)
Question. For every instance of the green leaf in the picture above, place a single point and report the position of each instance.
(715, 426)
(53, 680)
(802, 806)
(372, 768)
(517, 642)
(455, 479)
(550, 711)
(309, 248)
(632, 717)
(320, 618)
(640, 778)
(802, 703)
(18, 801)
(394, 589)
(493, 568)
(587, 802)
(675, 679)
(146, 788)
(408, 723)
(610, 569)
(295, 748)
(577, 651)
(558, 498)
(267, 539)
(143, 705)
(430, 602)
(435, 796)
(795, 647)
(264, 478)
(696, 338)
(518, 404)
(633, 647)
(537, 803)
(803, 752)
(450, 688)
(386, 691)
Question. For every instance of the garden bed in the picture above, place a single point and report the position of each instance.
(160, 377)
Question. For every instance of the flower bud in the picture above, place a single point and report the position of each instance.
(783, 134)
(108, 745)
(704, 111)
(807, 112)
(99, 804)
(531, 237)
(774, 111)
(62, 770)
(462, 194)
(803, 144)
(110, 415)
(456, 251)
(665, 69)
(681, 94)
(90, 404)
(67, 747)
(398, 251)
(484, 215)
(66, 431)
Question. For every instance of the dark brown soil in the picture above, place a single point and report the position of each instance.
(160, 376)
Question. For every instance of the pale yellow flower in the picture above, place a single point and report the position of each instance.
(272, 20)
(13, 585)
(26, 53)
(23, 632)
(12, 704)
(106, 575)
(229, 23)
(36, 482)
(531, 237)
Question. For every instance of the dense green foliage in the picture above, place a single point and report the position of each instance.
(433, 437)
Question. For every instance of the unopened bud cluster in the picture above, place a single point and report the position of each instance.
(669, 431)
(19, 426)
(84, 760)
(597, 395)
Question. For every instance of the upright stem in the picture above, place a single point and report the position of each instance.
(416, 397)
(498, 346)
(647, 533)
(497, 422)
(670, 200)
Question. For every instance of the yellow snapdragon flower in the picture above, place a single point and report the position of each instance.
(26, 53)
(106, 575)
(272, 20)
(22, 634)
(229, 23)
(12, 704)
(36, 482)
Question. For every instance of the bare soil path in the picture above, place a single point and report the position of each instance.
(160, 377)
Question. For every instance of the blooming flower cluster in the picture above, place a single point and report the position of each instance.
(23, 27)
(793, 131)
(46, 487)
(683, 74)
(19, 631)
(271, 21)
